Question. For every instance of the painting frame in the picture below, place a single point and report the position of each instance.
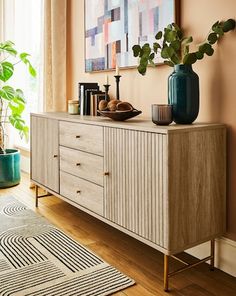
(95, 25)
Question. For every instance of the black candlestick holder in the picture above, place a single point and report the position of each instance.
(117, 77)
(106, 86)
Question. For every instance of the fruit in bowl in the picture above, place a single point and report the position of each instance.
(117, 110)
(115, 105)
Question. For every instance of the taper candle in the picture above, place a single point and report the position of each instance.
(106, 79)
(117, 70)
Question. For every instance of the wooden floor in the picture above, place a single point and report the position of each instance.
(142, 263)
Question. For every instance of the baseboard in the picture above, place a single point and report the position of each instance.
(225, 254)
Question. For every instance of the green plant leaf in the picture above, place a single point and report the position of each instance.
(175, 59)
(18, 123)
(156, 46)
(170, 36)
(228, 25)
(210, 51)
(199, 55)
(204, 48)
(219, 30)
(190, 59)
(186, 49)
(176, 27)
(136, 50)
(151, 57)
(16, 106)
(215, 25)
(7, 93)
(24, 58)
(212, 38)
(6, 71)
(8, 47)
(158, 35)
(164, 53)
(146, 50)
(187, 40)
(20, 95)
(175, 44)
(169, 63)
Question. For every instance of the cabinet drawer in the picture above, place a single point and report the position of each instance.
(82, 164)
(82, 192)
(84, 137)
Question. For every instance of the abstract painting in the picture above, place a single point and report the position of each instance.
(112, 27)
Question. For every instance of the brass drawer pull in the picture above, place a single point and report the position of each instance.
(55, 155)
(106, 174)
(78, 163)
(78, 191)
(77, 137)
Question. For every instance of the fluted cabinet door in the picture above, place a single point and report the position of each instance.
(136, 187)
(44, 152)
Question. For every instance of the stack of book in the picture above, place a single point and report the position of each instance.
(89, 98)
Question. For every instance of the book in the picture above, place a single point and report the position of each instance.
(87, 100)
(94, 95)
(83, 86)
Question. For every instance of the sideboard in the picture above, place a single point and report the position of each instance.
(163, 185)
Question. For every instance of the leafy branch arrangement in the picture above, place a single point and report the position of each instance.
(12, 101)
(173, 46)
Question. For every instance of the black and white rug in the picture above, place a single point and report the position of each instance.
(38, 259)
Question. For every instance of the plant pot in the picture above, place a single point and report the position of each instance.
(9, 168)
(183, 94)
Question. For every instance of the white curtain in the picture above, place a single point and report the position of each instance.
(55, 55)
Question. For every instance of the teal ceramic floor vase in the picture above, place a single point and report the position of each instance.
(183, 94)
(9, 168)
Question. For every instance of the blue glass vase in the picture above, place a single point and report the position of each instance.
(183, 94)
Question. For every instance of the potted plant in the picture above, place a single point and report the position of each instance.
(12, 105)
(174, 48)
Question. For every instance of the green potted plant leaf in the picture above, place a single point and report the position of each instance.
(174, 48)
(12, 105)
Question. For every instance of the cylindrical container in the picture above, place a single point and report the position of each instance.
(9, 168)
(73, 106)
(162, 114)
(183, 94)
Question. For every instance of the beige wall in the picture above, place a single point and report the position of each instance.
(217, 76)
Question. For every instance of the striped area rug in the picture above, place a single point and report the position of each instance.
(38, 259)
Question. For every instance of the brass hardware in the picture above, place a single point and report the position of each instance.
(106, 174)
(77, 137)
(78, 191)
(37, 196)
(78, 163)
(166, 272)
(55, 155)
(187, 266)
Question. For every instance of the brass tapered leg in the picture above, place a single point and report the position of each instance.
(212, 261)
(36, 195)
(166, 273)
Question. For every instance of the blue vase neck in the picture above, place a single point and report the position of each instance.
(182, 67)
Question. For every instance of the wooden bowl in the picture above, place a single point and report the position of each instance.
(120, 115)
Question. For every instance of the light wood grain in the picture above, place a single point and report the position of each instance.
(138, 123)
(135, 182)
(197, 187)
(82, 164)
(44, 152)
(81, 136)
(165, 189)
(82, 192)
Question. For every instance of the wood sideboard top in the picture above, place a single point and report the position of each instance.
(133, 124)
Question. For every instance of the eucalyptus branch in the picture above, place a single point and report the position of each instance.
(174, 48)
